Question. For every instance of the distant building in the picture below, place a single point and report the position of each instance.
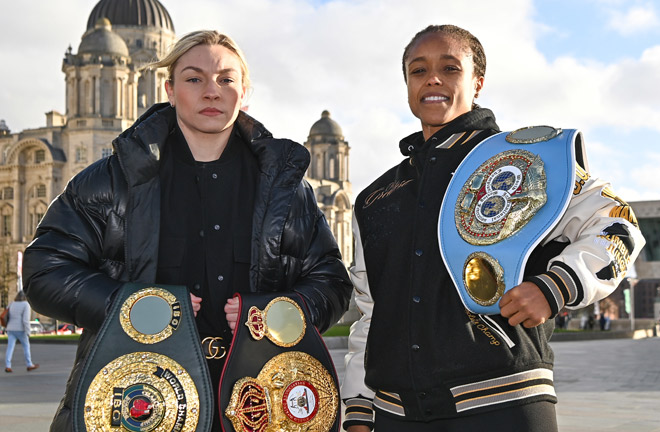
(105, 93)
(647, 266)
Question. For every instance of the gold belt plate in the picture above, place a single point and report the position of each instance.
(142, 392)
(500, 197)
(293, 392)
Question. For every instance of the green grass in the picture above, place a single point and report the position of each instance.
(338, 330)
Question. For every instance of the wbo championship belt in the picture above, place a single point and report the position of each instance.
(504, 198)
(145, 371)
(279, 376)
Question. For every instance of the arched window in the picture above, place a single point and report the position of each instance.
(36, 214)
(319, 167)
(331, 169)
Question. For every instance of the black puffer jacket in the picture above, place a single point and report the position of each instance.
(103, 231)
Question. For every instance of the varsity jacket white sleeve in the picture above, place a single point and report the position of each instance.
(355, 393)
(603, 242)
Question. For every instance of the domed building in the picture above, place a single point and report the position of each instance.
(106, 91)
(328, 175)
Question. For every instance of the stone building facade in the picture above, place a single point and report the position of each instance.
(106, 91)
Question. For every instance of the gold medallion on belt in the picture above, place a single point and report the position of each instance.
(293, 393)
(500, 197)
(142, 392)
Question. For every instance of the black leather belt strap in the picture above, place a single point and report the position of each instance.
(260, 355)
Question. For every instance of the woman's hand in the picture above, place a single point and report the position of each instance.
(525, 304)
(196, 303)
(231, 310)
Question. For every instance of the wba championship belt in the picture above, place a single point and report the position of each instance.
(146, 371)
(504, 198)
(279, 376)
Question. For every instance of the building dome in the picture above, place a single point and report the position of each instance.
(326, 126)
(102, 40)
(141, 13)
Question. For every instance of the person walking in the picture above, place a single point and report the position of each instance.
(18, 328)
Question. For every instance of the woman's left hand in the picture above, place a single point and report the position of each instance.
(231, 310)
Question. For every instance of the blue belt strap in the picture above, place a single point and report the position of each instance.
(558, 155)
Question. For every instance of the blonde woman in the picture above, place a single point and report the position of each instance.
(197, 193)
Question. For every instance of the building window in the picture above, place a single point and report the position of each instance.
(650, 228)
(331, 170)
(81, 154)
(38, 191)
(106, 152)
(39, 156)
(8, 193)
(6, 225)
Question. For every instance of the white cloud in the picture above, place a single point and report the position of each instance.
(635, 20)
(344, 56)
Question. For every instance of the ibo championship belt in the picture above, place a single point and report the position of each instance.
(279, 376)
(146, 371)
(504, 198)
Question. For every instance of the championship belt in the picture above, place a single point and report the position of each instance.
(145, 371)
(504, 198)
(279, 375)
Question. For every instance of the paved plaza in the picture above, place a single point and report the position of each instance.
(602, 385)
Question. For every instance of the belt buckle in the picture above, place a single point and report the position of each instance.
(214, 348)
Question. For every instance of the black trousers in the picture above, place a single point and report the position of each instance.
(533, 417)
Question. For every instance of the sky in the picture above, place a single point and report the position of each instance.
(592, 65)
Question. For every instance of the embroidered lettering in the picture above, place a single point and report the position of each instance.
(384, 192)
(483, 328)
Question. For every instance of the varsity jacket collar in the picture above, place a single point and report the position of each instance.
(478, 118)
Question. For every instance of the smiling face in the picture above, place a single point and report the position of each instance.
(207, 91)
(441, 81)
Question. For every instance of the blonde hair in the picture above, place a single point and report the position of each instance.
(201, 37)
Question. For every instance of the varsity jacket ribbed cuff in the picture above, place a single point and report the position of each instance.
(560, 286)
(359, 411)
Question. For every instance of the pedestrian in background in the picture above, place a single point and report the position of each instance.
(18, 328)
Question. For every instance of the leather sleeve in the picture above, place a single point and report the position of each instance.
(61, 267)
(323, 281)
